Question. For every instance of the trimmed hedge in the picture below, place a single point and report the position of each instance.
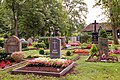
(39, 45)
(41, 52)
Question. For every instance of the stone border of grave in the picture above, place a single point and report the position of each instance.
(56, 74)
(14, 65)
(76, 58)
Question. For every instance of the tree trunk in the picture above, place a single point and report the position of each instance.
(14, 18)
(115, 38)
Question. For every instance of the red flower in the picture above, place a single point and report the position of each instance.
(8, 63)
(88, 46)
(2, 64)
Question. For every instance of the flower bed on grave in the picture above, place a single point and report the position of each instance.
(81, 51)
(45, 66)
(110, 42)
(88, 46)
(75, 44)
(114, 51)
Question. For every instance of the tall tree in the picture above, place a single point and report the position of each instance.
(13, 6)
(77, 10)
(112, 12)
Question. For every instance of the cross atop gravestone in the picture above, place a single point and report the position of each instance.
(55, 48)
(94, 30)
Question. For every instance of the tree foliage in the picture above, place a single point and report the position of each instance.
(112, 12)
(26, 18)
(76, 10)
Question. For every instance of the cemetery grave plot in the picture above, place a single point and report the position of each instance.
(53, 67)
(100, 52)
(7, 62)
(12, 44)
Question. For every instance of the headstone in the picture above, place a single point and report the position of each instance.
(62, 40)
(94, 34)
(29, 41)
(78, 38)
(22, 39)
(55, 48)
(103, 46)
(95, 37)
(12, 44)
(36, 40)
(73, 39)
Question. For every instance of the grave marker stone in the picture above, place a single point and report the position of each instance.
(55, 48)
(78, 38)
(29, 41)
(74, 39)
(103, 44)
(94, 34)
(12, 44)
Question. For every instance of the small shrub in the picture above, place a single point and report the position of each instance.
(45, 40)
(24, 44)
(17, 56)
(39, 45)
(93, 49)
(29, 57)
(68, 53)
(103, 34)
(41, 52)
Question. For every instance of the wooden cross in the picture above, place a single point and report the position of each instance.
(94, 26)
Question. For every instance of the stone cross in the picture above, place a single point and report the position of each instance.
(94, 26)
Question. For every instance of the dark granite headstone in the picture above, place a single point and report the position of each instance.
(94, 34)
(12, 44)
(55, 48)
(78, 38)
(95, 37)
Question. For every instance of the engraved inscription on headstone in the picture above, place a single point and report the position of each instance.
(95, 37)
(12, 44)
(55, 48)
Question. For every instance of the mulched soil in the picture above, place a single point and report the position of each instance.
(42, 68)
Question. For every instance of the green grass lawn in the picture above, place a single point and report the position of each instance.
(83, 71)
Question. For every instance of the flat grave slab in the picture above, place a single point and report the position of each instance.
(51, 71)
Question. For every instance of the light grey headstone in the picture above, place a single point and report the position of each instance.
(74, 39)
(12, 44)
(30, 40)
